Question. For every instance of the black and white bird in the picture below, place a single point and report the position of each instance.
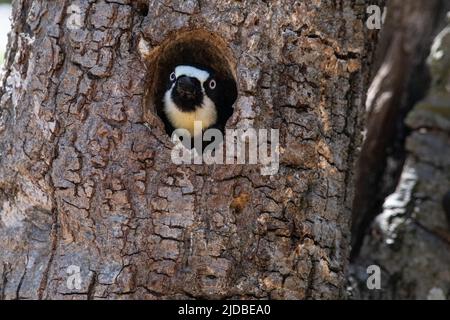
(196, 93)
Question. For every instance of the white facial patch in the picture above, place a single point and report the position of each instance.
(192, 72)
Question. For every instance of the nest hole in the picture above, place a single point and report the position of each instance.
(197, 48)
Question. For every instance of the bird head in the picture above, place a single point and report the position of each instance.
(188, 86)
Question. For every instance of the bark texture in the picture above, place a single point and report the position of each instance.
(85, 172)
(410, 238)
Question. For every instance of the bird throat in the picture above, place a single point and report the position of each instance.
(181, 118)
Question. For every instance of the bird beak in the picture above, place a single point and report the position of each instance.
(185, 87)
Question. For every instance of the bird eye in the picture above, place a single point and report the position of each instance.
(173, 76)
(212, 84)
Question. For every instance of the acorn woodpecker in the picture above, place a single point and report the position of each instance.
(196, 93)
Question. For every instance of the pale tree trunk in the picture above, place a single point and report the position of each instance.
(86, 178)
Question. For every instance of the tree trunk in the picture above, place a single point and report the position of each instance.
(401, 81)
(410, 237)
(86, 179)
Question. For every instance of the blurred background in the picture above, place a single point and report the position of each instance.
(401, 209)
(5, 11)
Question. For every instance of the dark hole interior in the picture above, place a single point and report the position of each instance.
(141, 7)
(196, 49)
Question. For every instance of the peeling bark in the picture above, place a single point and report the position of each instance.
(85, 172)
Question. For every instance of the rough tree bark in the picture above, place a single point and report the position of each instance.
(86, 178)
